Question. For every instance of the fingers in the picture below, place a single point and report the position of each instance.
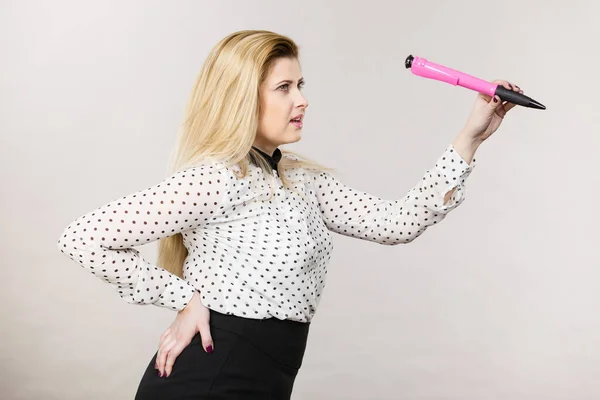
(506, 84)
(194, 318)
(506, 106)
(167, 354)
(164, 339)
(172, 345)
(207, 341)
(165, 333)
(495, 103)
(172, 356)
(161, 356)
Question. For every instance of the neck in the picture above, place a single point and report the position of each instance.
(265, 148)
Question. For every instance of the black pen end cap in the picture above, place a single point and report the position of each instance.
(408, 61)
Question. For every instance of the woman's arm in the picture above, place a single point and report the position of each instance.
(358, 214)
(102, 240)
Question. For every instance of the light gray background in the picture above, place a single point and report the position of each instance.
(500, 301)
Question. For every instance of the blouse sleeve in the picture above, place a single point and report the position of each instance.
(354, 213)
(102, 240)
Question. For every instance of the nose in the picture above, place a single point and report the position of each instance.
(302, 102)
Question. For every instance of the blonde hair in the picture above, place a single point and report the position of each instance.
(221, 118)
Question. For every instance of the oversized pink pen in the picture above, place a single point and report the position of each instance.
(426, 69)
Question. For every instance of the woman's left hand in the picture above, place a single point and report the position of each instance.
(487, 114)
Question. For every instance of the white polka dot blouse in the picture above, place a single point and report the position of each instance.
(248, 255)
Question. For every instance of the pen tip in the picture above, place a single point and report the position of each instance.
(408, 61)
(535, 104)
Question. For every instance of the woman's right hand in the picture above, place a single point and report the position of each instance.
(193, 318)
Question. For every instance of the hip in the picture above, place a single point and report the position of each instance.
(252, 358)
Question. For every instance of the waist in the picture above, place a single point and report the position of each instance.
(282, 340)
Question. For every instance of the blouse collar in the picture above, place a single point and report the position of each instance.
(271, 159)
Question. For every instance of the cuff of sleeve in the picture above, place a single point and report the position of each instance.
(177, 294)
(455, 171)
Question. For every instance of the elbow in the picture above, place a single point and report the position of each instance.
(64, 240)
(73, 246)
(402, 240)
(410, 237)
(67, 239)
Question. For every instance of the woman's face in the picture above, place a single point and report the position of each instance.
(281, 100)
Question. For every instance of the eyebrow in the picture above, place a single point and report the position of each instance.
(288, 81)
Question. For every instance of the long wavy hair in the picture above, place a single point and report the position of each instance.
(222, 115)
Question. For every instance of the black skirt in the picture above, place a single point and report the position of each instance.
(252, 359)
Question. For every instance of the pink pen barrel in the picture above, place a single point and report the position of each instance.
(427, 69)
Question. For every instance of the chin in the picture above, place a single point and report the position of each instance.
(296, 137)
(292, 137)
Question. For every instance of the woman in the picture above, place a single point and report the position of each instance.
(245, 228)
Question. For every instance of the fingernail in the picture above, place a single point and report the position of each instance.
(209, 348)
(159, 374)
(495, 100)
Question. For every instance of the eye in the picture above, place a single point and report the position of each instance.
(286, 86)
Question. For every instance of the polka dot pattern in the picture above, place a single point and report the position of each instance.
(102, 240)
(361, 215)
(249, 255)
